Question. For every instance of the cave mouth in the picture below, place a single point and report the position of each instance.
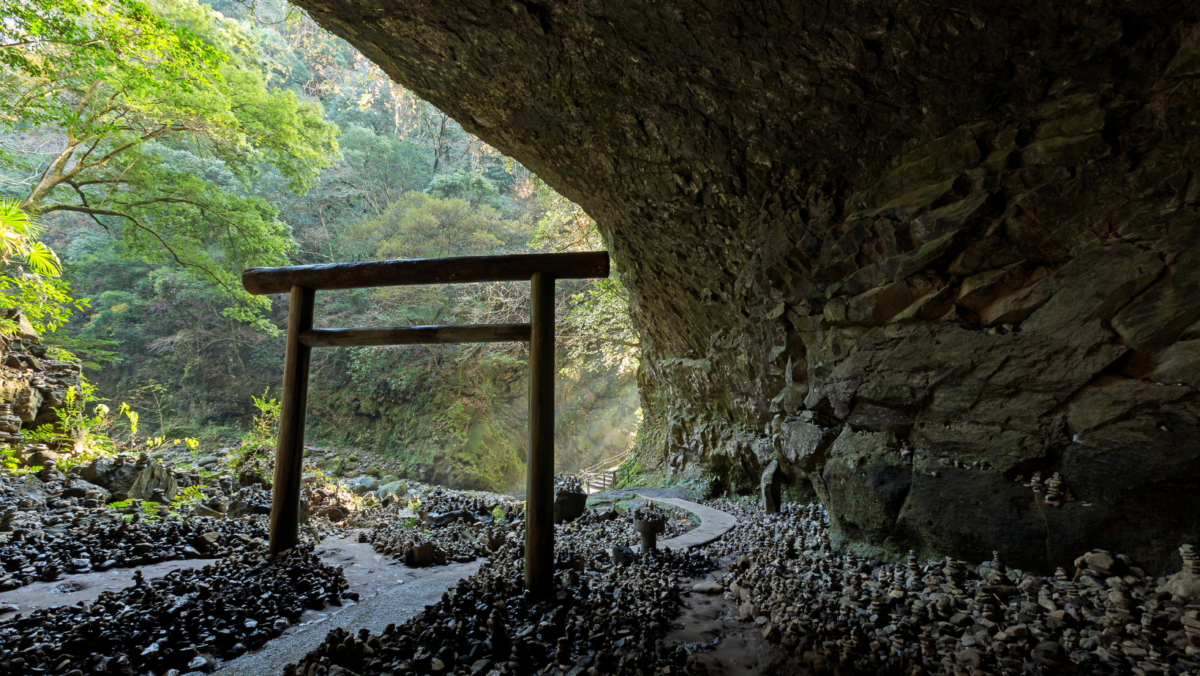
(933, 265)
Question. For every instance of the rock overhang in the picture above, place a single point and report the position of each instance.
(965, 231)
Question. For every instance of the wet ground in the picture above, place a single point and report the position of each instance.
(709, 628)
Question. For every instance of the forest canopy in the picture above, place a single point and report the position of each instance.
(165, 118)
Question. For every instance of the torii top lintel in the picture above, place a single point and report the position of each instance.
(408, 272)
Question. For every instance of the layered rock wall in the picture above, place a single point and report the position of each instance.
(912, 251)
(31, 384)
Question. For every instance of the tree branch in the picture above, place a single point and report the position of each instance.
(138, 224)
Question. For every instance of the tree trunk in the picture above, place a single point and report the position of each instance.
(50, 179)
(916, 251)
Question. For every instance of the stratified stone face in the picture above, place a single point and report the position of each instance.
(913, 253)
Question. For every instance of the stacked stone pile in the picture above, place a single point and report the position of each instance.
(567, 483)
(570, 501)
(101, 544)
(32, 384)
(184, 621)
(54, 524)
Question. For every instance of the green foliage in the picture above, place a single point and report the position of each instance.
(266, 423)
(10, 460)
(18, 241)
(29, 272)
(189, 494)
(166, 116)
(132, 416)
(151, 511)
(423, 226)
(463, 185)
(82, 418)
(92, 354)
(380, 169)
(62, 46)
(597, 328)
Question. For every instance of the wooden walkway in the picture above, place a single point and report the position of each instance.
(713, 524)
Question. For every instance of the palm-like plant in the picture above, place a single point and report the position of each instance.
(19, 241)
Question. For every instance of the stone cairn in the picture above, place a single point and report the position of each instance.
(649, 521)
(10, 426)
(823, 612)
(607, 616)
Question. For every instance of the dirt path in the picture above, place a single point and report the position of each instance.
(632, 493)
(710, 629)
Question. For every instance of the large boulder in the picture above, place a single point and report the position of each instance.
(39, 457)
(78, 488)
(150, 478)
(129, 481)
(569, 506)
(397, 488)
(363, 485)
(26, 404)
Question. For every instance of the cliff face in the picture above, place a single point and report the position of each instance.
(913, 251)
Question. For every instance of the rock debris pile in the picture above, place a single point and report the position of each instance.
(183, 621)
(447, 526)
(32, 383)
(606, 618)
(52, 525)
(832, 613)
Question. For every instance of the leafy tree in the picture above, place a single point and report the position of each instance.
(51, 50)
(382, 168)
(423, 226)
(465, 185)
(596, 326)
(166, 116)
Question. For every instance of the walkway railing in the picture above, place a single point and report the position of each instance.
(599, 482)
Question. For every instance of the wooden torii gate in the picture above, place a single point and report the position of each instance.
(303, 281)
